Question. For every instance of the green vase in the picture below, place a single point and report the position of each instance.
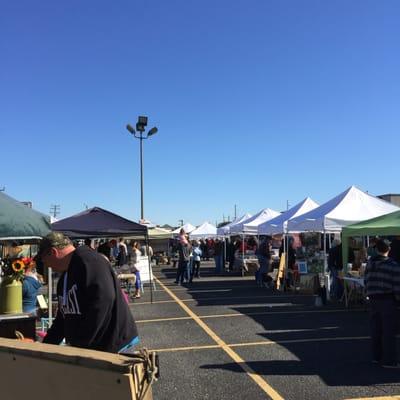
(10, 296)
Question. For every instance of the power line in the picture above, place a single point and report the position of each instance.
(55, 210)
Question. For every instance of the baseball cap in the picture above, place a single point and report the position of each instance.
(53, 239)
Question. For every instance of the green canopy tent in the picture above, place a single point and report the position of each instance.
(385, 225)
(18, 221)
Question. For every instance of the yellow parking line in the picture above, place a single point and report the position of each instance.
(211, 346)
(397, 397)
(263, 343)
(214, 298)
(238, 315)
(145, 321)
(278, 342)
(235, 357)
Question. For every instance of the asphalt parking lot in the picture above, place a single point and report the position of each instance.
(224, 338)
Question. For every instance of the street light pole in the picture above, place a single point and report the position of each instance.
(141, 178)
(139, 133)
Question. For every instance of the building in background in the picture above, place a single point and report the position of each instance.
(391, 198)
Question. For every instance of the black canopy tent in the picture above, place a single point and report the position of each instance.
(99, 223)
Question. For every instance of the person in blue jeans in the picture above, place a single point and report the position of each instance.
(183, 272)
(219, 256)
(263, 253)
(196, 257)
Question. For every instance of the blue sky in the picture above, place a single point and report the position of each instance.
(257, 103)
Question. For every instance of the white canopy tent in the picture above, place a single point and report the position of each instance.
(187, 228)
(205, 230)
(349, 207)
(225, 230)
(251, 228)
(239, 227)
(278, 225)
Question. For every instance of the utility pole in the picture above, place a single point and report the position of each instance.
(180, 221)
(287, 205)
(55, 210)
(235, 211)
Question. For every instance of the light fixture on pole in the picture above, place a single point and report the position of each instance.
(140, 134)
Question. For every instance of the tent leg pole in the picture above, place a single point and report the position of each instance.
(50, 294)
(326, 274)
(150, 270)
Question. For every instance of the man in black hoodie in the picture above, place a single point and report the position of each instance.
(382, 282)
(91, 310)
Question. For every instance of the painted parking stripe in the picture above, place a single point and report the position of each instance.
(264, 343)
(396, 397)
(190, 348)
(220, 298)
(242, 315)
(291, 341)
(271, 392)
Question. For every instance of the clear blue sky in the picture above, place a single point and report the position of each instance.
(256, 102)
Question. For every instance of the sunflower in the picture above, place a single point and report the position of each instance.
(18, 265)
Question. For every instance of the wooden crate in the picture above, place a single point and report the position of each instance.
(48, 372)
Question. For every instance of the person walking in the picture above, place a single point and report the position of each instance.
(382, 283)
(196, 257)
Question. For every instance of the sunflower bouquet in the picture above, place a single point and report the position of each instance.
(14, 269)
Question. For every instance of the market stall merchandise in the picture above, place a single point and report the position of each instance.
(384, 225)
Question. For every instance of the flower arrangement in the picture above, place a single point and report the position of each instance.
(14, 269)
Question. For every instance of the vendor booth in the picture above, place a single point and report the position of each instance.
(278, 225)
(19, 222)
(187, 228)
(251, 228)
(384, 225)
(248, 226)
(225, 230)
(99, 223)
(350, 206)
(205, 230)
(21, 228)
